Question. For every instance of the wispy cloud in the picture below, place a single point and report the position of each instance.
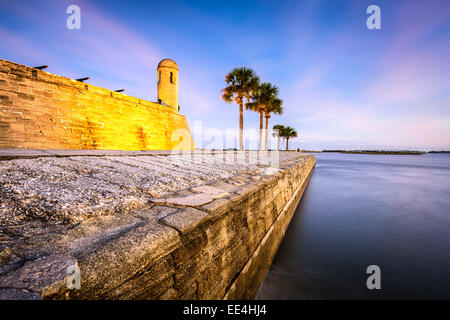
(342, 85)
(404, 101)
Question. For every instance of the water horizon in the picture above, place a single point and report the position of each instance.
(360, 210)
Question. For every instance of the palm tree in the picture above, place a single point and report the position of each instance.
(275, 105)
(288, 133)
(259, 98)
(241, 82)
(278, 132)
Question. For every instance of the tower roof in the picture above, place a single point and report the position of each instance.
(167, 63)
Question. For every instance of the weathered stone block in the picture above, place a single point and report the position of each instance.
(185, 220)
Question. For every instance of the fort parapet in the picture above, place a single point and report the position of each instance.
(40, 110)
(143, 226)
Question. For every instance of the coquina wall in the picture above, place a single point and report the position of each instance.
(221, 249)
(39, 110)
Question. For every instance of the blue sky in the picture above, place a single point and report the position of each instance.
(343, 86)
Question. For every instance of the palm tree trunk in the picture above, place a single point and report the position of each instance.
(287, 144)
(266, 133)
(241, 125)
(260, 129)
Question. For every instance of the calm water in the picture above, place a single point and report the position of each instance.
(358, 210)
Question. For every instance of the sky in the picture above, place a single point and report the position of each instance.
(343, 86)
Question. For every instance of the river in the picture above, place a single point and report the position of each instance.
(392, 211)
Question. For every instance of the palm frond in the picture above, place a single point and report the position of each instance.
(240, 83)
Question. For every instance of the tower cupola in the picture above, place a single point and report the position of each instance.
(168, 83)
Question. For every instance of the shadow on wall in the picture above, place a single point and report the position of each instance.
(4, 130)
(88, 139)
(142, 138)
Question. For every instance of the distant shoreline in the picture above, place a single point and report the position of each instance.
(403, 152)
(377, 152)
(416, 153)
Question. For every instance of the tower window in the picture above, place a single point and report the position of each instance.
(171, 77)
(159, 77)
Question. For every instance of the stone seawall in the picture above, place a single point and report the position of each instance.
(214, 240)
(42, 110)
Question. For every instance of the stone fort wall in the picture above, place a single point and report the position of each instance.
(219, 248)
(40, 110)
